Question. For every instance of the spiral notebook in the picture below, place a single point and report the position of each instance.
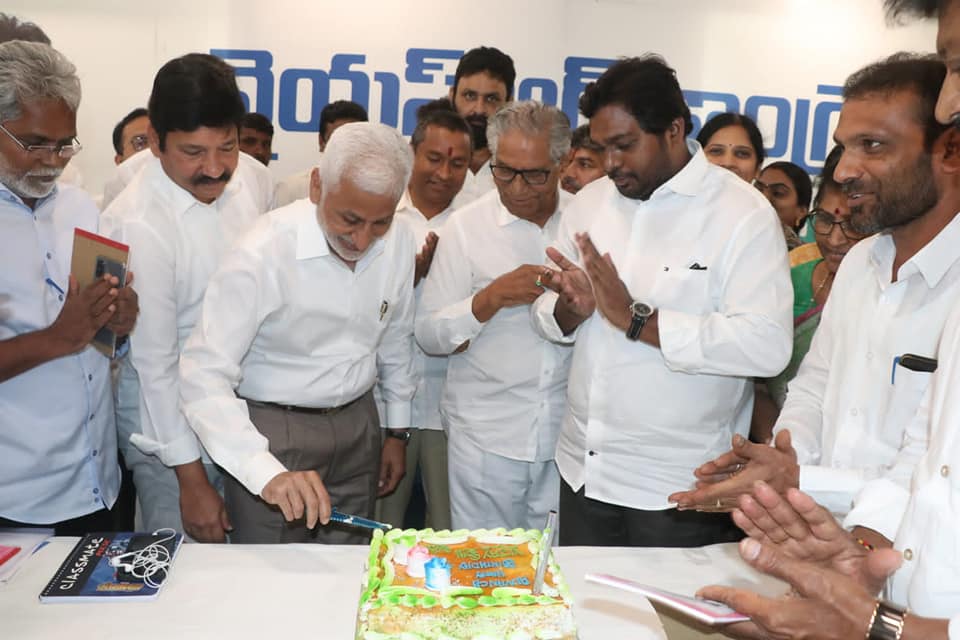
(87, 574)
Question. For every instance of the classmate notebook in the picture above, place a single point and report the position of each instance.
(87, 575)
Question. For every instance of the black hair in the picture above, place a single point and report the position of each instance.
(921, 74)
(257, 122)
(12, 28)
(580, 139)
(440, 104)
(826, 179)
(139, 112)
(799, 178)
(919, 8)
(444, 118)
(646, 87)
(490, 60)
(193, 91)
(341, 110)
(730, 119)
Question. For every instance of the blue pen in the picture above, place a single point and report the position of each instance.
(55, 286)
(893, 372)
(357, 521)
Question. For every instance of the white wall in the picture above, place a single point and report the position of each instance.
(780, 50)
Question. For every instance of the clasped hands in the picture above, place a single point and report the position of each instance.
(597, 286)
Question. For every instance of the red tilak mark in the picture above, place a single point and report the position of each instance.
(836, 211)
(449, 152)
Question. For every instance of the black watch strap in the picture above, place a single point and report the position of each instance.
(399, 434)
(639, 314)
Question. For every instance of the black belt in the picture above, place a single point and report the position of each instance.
(321, 411)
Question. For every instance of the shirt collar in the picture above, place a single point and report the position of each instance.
(690, 179)
(932, 261)
(9, 196)
(504, 217)
(406, 204)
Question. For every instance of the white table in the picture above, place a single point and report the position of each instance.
(310, 591)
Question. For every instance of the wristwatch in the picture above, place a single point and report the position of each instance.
(887, 622)
(399, 434)
(640, 312)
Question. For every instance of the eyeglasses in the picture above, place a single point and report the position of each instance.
(139, 142)
(533, 177)
(823, 223)
(63, 150)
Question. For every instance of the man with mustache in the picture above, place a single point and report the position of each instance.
(505, 384)
(441, 146)
(281, 394)
(585, 163)
(57, 433)
(681, 296)
(180, 213)
(857, 390)
(483, 82)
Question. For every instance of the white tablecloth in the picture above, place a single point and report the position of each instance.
(310, 591)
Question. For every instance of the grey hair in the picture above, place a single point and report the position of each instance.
(374, 156)
(31, 71)
(534, 118)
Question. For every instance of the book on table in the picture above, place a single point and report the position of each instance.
(95, 571)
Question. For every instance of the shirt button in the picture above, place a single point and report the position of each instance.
(91, 416)
(591, 453)
(908, 554)
(853, 412)
(96, 490)
(944, 471)
(89, 376)
(61, 298)
(94, 453)
(869, 355)
(49, 255)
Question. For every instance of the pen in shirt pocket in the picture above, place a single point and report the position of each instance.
(384, 306)
(912, 362)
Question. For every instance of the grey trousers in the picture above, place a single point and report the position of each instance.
(343, 447)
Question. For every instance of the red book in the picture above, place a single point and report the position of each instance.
(7, 552)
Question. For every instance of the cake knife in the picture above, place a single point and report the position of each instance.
(357, 521)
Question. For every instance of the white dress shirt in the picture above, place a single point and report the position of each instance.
(924, 515)
(707, 252)
(58, 439)
(430, 371)
(285, 320)
(292, 188)
(257, 177)
(176, 243)
(475, 186)
(505, 392)
(848, 407)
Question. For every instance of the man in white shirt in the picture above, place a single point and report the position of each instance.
(835, 579)
(332, 117)
(856, 391)
(682, 297)
(179, 214)
(441, 157)
(483, 82)
(505, 384)
(331, 304)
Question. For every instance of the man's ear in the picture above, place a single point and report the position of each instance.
(947, 150)
(315, 187)
(677, 130)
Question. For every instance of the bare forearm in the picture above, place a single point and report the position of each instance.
(567, 319)
(190, 474)
(484, 305)
(29, 350)
(917, 628)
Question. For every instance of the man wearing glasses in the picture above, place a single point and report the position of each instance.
(505, 385)
(130, 134)
(871, 360)
(58, 441)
